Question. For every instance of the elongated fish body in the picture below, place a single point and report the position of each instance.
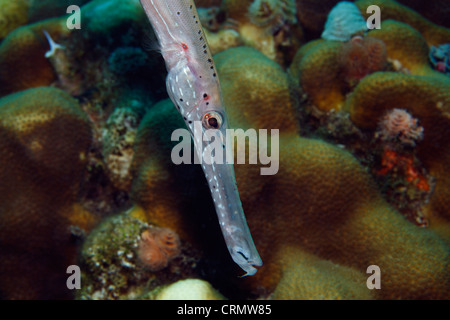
(193, 85)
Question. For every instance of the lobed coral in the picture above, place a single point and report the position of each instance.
(310, 203)
(436, 11)
(316, 282)
(45, 138)
(101, 17)
(406, 46)
(427, 98)
(432, 33)
(316, 65)
(13, 15)
(23, 64)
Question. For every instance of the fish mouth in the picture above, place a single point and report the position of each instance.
(222, 184)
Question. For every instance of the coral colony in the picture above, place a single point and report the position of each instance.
(107, 192)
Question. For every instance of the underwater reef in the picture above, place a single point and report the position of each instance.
(364, 156)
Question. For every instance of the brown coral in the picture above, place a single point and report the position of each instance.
(23, 64)
(317, 70)
(13, 15)
(310, 203)
(44, 141)
(406, 46)
(437, 11)
(433, 34)
(319, 74)
(157, 247)
(428, 99)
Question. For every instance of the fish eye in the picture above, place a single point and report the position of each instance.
(212, 120)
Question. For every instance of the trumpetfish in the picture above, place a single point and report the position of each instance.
(194, 88)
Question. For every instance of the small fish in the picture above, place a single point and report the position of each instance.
(193, 85)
